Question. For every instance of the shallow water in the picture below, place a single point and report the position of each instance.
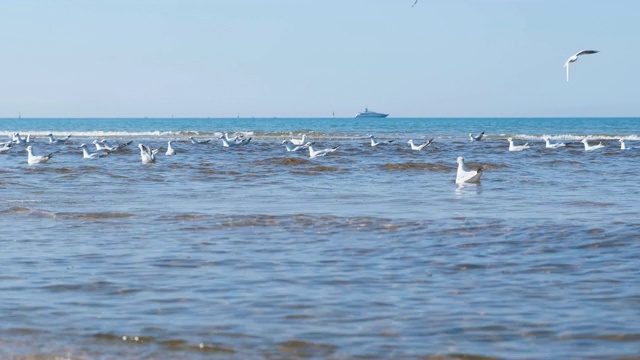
(256, 253)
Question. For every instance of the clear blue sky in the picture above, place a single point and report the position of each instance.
(309, 58)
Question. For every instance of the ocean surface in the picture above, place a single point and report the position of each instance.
(254, 252)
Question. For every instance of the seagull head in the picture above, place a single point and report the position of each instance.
(28, 149)
(460, 160)
(584, 140)
(621, 140)
(95, 142)
(410, 141)
(82, 146)
(510, 139)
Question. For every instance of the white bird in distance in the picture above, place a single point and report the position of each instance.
(574, 58)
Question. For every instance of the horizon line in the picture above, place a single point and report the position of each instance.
(299, 118)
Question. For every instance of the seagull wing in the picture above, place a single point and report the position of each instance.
(586, 52)
(414, 4)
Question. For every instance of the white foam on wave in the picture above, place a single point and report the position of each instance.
(259, 135)
(573, 137)
(113, 134)
(244, 133)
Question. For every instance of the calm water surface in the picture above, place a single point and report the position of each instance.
(368, 253)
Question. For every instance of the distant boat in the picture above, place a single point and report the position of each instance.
(370, 114)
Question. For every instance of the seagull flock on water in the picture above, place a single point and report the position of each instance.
(148, 155)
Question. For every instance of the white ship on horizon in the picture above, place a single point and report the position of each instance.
(371, 114)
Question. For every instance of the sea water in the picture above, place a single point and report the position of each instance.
(254, 252)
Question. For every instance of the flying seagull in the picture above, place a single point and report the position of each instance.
(574, 58)
(414, 4)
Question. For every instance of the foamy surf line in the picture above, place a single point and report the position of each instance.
(110, 134)
(569, 137)
(312, 135)
(170, 135)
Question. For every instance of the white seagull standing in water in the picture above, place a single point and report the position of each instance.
(226, 143)
(33, 159)
(198, 142)
(313, 153)
(465, 176)
(419, 147)
(113, 148)
(588, 147)
(623, 146)
(17, 139)
(170, 150)
(291, 147)
(549, 145)
(99, 145)
(518, 147)
(574, 58)
(476, 138)
(299, 141)
(235, 139)
(375, 142)
(4, 148)
(146, 154)
(87, 155)
(53, 140)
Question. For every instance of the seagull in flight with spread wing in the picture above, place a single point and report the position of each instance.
(574, 58)
(414, 4)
